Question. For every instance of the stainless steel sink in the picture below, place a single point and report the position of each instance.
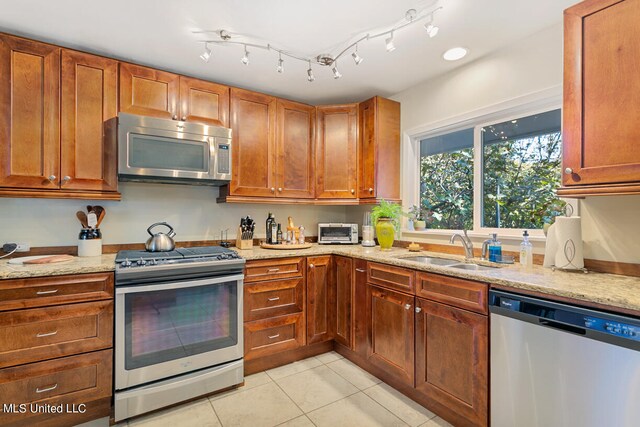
(472, 267)
(432, 260)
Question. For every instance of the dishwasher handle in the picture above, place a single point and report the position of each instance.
(562, 326)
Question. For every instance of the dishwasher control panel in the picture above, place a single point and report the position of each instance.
(619, 329)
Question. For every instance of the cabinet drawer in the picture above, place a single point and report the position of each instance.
(45, 333)
(273, 298)
(68, 381)
(273, 335)
(391, 277)
(44, 291)
(453, 291)
(274, 269)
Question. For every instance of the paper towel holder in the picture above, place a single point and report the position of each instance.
(569, 250)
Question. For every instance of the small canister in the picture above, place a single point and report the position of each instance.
(90, 242)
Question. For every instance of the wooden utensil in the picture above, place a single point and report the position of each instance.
(83, 219)
(100, 212)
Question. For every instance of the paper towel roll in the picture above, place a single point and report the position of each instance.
(550, 247)
(569, 253)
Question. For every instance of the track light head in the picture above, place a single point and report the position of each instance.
(280, 67)
(206, 55)
(310, 75)
(357, 58)
(390, 46)
(432, 30)
(245, 58)
(336, 73)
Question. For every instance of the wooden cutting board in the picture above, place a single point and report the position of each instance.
(41, 259)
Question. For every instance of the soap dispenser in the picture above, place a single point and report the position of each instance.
(526, 251)
(494, 248)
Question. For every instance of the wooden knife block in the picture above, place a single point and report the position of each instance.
(243, 244)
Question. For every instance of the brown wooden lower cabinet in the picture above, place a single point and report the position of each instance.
(391, 331)
(452, 361)
(273, 335)
(320, 299)
(344, 300)
(360, 315)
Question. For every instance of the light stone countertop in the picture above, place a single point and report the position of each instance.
(614, 291)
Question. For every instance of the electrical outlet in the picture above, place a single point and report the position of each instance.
(23, 247)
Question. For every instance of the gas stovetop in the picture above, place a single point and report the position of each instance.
(181, 263)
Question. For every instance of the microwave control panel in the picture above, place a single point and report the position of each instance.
(224, 158)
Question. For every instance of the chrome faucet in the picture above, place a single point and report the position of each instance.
(466, 243)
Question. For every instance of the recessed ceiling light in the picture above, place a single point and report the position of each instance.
(455, 53)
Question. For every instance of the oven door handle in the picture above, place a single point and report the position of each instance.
(178, 285)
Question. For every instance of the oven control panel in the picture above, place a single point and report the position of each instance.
(150, 262)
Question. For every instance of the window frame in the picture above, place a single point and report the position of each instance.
(540, 102)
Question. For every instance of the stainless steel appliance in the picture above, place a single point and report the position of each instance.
(555, 364)
(160, 242)
(178, 326)
(171, 151)
(331, 233)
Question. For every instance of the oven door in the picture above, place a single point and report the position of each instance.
(167, 329)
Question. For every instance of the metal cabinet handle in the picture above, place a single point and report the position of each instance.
(311, 265)
(42, 390)
(361, 270)
(274, 336)
(370, 190)
(51, 178)
(568, 171)
(353, 191)
(273, 270)
(53, 291)
(47, 334)
(273, 189)
(407, 306)
(280, 189)
(174, 117)
(66, 179)
(418, 309)
(184, 118)
(273, 299)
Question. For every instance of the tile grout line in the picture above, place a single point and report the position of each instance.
(350, 382)
(214, 412)
(304, 370)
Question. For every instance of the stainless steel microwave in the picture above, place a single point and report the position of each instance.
(170, 151)
(330, 233)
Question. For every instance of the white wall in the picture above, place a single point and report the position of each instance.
(191, 210)
(611, 225)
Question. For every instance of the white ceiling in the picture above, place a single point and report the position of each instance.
(159, 33)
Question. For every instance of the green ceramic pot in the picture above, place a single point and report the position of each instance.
(386, 233)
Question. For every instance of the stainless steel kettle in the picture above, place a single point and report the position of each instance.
(160, 242)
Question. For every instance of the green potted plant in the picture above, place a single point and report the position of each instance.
(418, 217)
(386, 218)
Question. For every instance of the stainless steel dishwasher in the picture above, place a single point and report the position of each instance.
(555, 364)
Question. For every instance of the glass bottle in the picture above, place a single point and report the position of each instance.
(270, 221)
(279, 235)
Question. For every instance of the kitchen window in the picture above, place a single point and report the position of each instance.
(494, 173)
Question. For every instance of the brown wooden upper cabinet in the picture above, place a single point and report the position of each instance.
(336, 152)
(601, 154)
(295, 149)
(29, 114)
(56, 121)
(379, 149)
(253, 123)
(150, 92)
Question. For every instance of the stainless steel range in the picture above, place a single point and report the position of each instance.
(178, 326)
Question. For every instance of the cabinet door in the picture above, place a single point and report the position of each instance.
(253, 121)
(294, 158)
(452, 360)
(360, 318)
(336, 152)
(204, 102)
(29, 114)
(601, 93)
(344, 300)
(367, 149)
(391, 332)
(320, 297)
(148, 92)
(88, 130)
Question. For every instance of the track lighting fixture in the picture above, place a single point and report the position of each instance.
(390, 46)
(280, 67)
(245, 58)
(310, 75)
(336, 73)
(206, 55)
(412, 16)
(357, 58)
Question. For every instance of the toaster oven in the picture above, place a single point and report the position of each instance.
(330, 233)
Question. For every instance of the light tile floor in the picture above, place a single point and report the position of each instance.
(326, 390)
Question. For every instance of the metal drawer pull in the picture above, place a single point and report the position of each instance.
(273, 299)
(46, 292)
(273, 270)
(48, 334)
(361, 270)
(418, 309)
(53, 387)
(274, 336)
(407, 306)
